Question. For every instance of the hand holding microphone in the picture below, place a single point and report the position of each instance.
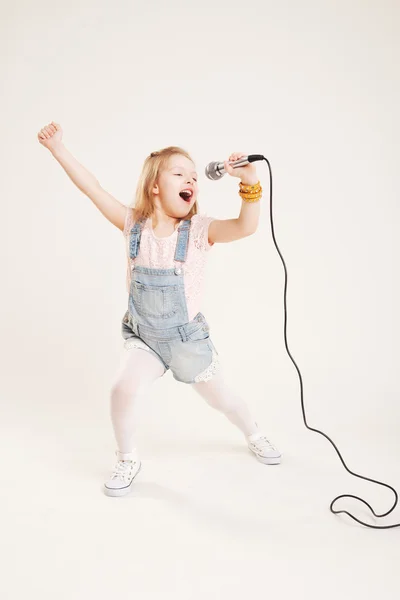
(239, 164)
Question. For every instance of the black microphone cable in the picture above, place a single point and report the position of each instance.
(336, 512)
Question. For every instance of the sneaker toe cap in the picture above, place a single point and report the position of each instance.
(270, 453)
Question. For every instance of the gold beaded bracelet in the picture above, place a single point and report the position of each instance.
(248, 188)
(251, 201)
(250, 197)
(250, 193)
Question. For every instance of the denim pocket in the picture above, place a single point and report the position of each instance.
(160, 301)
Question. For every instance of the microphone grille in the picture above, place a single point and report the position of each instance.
(212, 171)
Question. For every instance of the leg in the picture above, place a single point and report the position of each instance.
(218, 395)
(138, 370)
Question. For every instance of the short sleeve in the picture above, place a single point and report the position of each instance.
(128, 221)
(201, 223)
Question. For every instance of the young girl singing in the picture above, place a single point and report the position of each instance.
(167, 244)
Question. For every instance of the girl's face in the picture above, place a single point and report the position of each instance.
(179, 175)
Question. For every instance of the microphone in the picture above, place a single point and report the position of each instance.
(216, 170)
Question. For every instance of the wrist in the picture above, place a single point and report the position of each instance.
(57, 149)
(249, 179)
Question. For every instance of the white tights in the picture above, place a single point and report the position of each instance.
(138, 370)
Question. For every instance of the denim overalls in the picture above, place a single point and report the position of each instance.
(157, 315)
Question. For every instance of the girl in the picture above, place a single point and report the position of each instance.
(167, 243)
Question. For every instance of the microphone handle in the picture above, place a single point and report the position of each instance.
(242, 162)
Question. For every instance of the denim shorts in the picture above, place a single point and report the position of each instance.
(186, 350)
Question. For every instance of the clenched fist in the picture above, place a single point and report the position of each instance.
(50, 135)
(248, 173)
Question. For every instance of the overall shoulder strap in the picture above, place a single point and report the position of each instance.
(182, 241)
(134, 239)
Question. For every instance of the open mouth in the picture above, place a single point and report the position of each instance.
(186, 195)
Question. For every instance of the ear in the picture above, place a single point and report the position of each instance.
(156, 189)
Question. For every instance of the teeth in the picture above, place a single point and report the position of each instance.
(186, 194)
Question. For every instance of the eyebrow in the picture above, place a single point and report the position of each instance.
(177, 167)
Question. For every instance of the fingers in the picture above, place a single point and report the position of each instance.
(236, 155)
(227, 167)
(45, 133)
(48, 131)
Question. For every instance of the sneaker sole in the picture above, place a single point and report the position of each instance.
(267, 461)
(121, 491)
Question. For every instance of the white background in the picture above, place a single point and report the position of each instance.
(314, 86)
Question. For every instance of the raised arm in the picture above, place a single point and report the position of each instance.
(51, 138)
(230, 230)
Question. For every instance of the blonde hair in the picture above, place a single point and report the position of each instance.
(153, 166)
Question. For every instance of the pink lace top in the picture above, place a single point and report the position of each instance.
(158, 253)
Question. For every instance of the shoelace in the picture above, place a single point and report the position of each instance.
(264, 442)
(122, 470)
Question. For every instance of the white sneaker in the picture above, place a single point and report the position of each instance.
(263, 449)
(125, 470)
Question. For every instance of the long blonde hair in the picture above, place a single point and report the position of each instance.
(153, 165)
